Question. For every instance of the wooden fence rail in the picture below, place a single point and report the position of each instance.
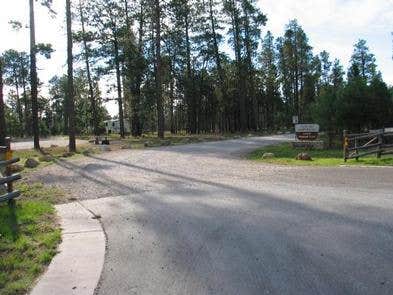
(378, 142)
(7, 192)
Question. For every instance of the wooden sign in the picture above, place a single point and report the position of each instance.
(389, 129)
(307, 131)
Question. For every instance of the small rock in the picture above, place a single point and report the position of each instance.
(166, 143)
(105, 141)
(303, 157)
(67, 154)
(15, 168)
(54, 146)
(147, 144)
(268, 156)
(46, 158)
(86, 152)
(31, 163)
(126, 147)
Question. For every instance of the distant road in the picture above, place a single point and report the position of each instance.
(45, 143)
(197, 219)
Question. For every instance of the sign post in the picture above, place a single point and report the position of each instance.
(307, 136)
(307, 131)
(295, 120)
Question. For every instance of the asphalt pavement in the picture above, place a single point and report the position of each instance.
(200, 219)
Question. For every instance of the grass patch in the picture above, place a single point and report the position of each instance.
(285, 154)
(40, 192)
(29, 236)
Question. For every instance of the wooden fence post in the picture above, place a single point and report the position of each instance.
(8, 171)
(380, 143)
(5, 155)
(345, 145)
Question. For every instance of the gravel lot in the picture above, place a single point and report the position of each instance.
(44, 143)
(198, 219)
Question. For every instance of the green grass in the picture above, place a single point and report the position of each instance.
(40, 192)
(29, 236)
(285, 154)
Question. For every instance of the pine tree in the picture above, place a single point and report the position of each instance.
(135, 66)
(252, 20)
(270, 84)
(70, 81)
(295, 66)
(232, 10)
(85, 37)
(326, 66)
(108, 18)
(363, 62)
(34, 78)
(12, 75)
(337, 75)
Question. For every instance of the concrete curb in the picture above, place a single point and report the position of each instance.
(76, 270)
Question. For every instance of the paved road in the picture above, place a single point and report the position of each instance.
(198, 219)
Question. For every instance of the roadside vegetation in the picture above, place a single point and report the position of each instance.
(29, 237)
(285, 154)
(47, 156)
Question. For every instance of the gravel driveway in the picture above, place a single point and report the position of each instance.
(198, 219)
(44, 143)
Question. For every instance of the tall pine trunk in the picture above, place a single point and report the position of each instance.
(242, 126)
(34, 79)
(250, 73)
(70, 81)
(25, 100)
(26, 109)
(93, 105)
(192, 112)
(18, 105)
(171, 108)
(118, 85)
(220, 113)
(158, 74)
(136, 93)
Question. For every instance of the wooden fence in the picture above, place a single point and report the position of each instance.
(7, 192)
(378, 142)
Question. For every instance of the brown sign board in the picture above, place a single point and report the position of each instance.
(306, 132)
(306, 135)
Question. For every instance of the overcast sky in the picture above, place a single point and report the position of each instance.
(332, 25)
